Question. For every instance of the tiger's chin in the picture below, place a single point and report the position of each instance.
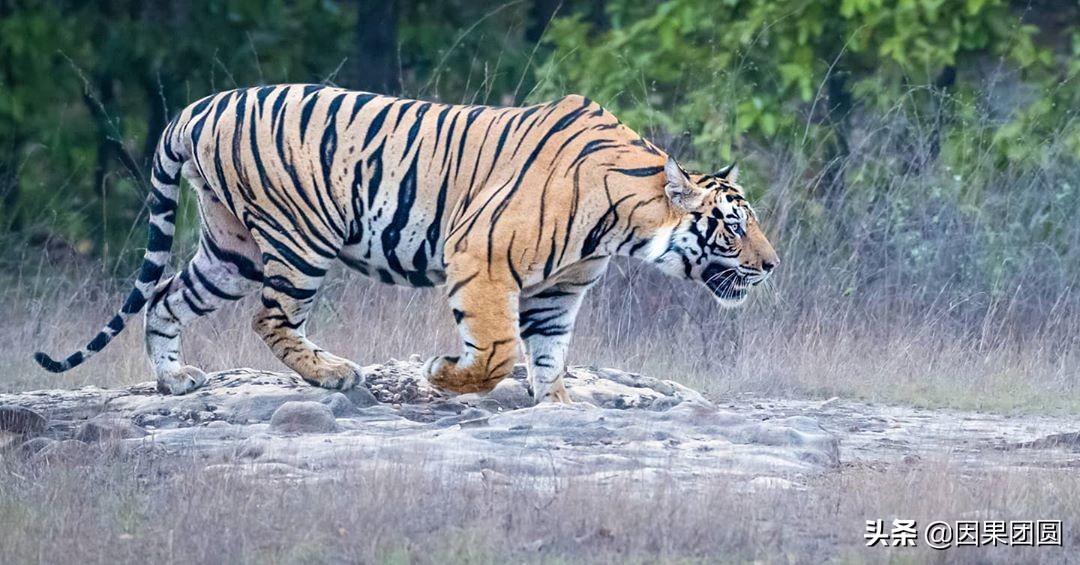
(729, 288)
(732, 297)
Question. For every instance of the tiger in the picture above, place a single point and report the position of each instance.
(515, 211)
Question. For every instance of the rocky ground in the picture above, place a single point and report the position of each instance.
(272, 425)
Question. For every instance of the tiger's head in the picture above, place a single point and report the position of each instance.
(717, 239)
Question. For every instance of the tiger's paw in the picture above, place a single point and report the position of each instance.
(444, 372)
(336, 375)
(551, 393)
(187, 379)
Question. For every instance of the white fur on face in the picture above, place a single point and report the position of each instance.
(658, 245)
(730, 302)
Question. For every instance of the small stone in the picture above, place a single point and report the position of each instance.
(359, 396)
(108, 429)
(19, 420)
(150, 421)
(340, 405)
(830, 403)
(303, 416)
(469, 418)
(511, 394)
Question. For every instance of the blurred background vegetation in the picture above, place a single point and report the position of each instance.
(913, 159)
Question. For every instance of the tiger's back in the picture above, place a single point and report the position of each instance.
(387, 180)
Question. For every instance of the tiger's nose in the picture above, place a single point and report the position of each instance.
(769, 265)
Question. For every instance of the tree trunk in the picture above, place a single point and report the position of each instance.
(9, 187)
(155, 121)
(837, 148)
(373, 63)
(98, 109)
(540, 14)
(944, 83)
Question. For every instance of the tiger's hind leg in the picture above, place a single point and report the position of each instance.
(224, 269)
(486, 314)
(547, 322)
(291, 282)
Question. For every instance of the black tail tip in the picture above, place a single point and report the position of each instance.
(49, 364)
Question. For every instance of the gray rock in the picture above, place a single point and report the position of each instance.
(359, 396)
(340, 405)
(152, 420)
(20, 420)
(620, 424)
(303, 417)
(108, 429)
(472, 417)
(32, 446)
(1067, 440)
(256, 409)
(511, 394)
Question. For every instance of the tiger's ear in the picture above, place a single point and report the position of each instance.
(684, 195)
(729, 173)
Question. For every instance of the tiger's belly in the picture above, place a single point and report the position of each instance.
(410, 261)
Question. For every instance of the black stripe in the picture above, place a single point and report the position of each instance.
(305, 116)
(211, 287)
(286, 287)
(99, 342)
(150, 273)
(158, 240)
(458, 285)
(641, 172)
(116, 324)
(248, 269)
(134, 302)
(199, 311)
(510, 262)
(152, 331)
(288, 256)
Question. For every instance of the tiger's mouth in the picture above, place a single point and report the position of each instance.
(727, 284)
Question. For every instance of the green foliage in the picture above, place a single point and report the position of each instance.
(735, 71)
(461, 51)
(79, 80)
(922, 145)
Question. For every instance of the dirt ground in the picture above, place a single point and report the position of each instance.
(638, 469)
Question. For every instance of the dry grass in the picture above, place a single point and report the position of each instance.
(784, 343)
(124, 509)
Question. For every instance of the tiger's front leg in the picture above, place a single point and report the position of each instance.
(485, 310)
(546, 318)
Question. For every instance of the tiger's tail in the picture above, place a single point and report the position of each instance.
(165, 188)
